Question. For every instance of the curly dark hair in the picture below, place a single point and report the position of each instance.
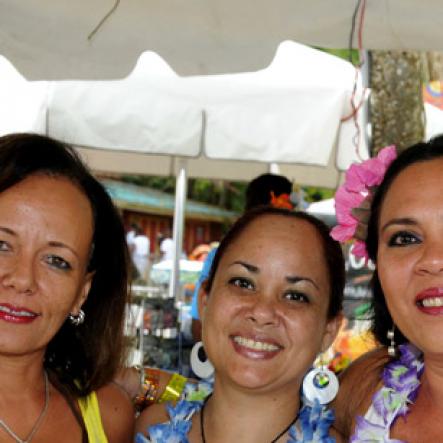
(418, 153)
(331, 250)
(82, 358)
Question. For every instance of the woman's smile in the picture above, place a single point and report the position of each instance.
(430, 301)
(255, 348)
(16, 314)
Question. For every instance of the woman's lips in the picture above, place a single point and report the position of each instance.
(430, 301)
(255, 348)
(16, 314)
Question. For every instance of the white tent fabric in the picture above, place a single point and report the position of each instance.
(434, 121)
(22, 104)
(324, 207)
(287, 113)
(49, 39)
(324, 210)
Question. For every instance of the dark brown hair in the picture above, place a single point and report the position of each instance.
(86, 357)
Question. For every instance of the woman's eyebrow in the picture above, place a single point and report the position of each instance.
(290, 278)
(58, 244)
(7, 231)
(247, 266)
(296, 279)
(399, 221)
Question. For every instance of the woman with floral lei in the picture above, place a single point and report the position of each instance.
(271, 304)
(395, 393)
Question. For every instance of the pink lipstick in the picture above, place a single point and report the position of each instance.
(16, 314)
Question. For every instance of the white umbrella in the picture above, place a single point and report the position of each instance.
(289, 113)
(322, 207)
(325, 210)
(49, 39)
(22, 104)
(434, 121)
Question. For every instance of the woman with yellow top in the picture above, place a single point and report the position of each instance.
(63, 290)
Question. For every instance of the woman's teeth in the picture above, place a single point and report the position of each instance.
(17, 313)
(432, 302)
(255, 345)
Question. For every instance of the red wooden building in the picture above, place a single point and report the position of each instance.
(153, 211)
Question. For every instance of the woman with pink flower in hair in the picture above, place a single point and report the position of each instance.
(395, 393)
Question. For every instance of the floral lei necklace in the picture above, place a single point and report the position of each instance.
(401, 383)
(314, 421)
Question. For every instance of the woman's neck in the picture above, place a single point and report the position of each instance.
(19, 373)
(432, 382)
(240, 415)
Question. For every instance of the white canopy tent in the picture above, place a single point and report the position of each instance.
(289, 113)
(434, 121)
(325, 210)
(49, 39)
(22, 103)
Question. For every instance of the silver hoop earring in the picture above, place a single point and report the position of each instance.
(200, 364)
(390, 334)
(320, 384)
(77, 319)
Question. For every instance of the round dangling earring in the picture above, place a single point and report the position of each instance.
(77, 319)
(200, 364)
(320, 384)
(390, 334)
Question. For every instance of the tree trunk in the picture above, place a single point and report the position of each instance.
(397, 112)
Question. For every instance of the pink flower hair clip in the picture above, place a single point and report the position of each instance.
(353, 199)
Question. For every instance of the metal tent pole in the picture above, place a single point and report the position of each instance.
(175, 289)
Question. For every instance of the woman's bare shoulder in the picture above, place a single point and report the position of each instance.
(117, 413)
(151, 415)
(358, 383)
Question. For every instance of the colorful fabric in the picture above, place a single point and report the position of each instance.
(401, 382)
(311, 427)
(90, 411)
(203, 276)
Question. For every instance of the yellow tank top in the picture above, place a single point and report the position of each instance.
(90, 411)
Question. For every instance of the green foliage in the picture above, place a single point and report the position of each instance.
(228, 195)
(352, 56)
(164, 184)
(314, 194)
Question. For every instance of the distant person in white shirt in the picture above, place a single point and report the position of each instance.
(140, 248)
(130, 235)
(167, 247)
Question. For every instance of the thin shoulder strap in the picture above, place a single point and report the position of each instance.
(71, 403)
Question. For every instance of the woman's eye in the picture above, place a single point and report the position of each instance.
(4, 246)
(243, 283)
(296, 296)
(403, 238)
(58, 262)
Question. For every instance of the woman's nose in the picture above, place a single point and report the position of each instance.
(19, 275)
(263, 311)
(431, 259)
